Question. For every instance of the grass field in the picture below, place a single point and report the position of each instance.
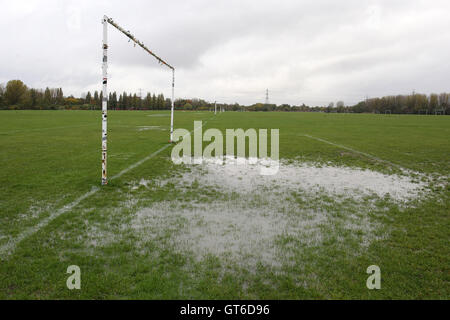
(354, 190)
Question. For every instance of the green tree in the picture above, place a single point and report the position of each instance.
(15, 92)
(120, 102)
(101, 100)
(444, 100)
(148, 101)
(160, 101)
(139, 103)
(47, 97)
(340, 106)
(25, 101)
(88, 98)
(113, 100)
(154, 103)
(434, 102)
(135, 103)
(168, 104)
(96, 101)
(34, 97)
(130, 101)
(124, 101)
(2, 95)
(61, 96)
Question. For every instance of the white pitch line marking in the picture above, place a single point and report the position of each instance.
(11, 245)
(355, 151)
(137, 164)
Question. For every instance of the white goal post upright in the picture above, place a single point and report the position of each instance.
(105, 22)
(104, 101)
(172, 106)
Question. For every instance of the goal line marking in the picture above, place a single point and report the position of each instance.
(11, 245)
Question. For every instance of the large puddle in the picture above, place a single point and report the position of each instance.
(247, 218)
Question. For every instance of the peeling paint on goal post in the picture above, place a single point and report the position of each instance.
(105, 100)
(105, 22)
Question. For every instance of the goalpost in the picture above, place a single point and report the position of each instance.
(105, 22)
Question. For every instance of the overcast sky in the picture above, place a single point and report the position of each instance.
(311, 52)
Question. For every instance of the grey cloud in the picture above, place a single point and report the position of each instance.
(303, 51)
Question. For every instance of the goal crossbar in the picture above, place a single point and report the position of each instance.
(105, 22)
(129, 35)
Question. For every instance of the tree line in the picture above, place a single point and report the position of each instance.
(406, 104)
(16, 95)
(400, 104)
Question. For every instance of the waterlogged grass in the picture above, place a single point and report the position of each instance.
(50, 158)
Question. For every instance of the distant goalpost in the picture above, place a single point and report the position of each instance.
(105, 22)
